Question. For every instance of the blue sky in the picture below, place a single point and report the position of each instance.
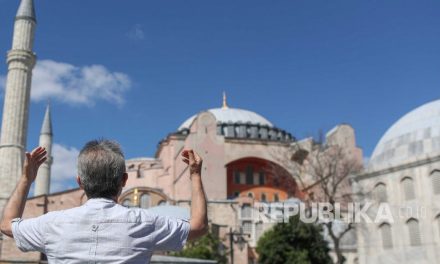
(304, 65)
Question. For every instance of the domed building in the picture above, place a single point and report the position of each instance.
(245, 164)
(241, 151)
(404, 173)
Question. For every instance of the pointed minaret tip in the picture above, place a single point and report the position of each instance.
(47, 122)
(26, 10)
(225, 101)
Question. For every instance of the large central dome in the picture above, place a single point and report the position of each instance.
(415, 136)
(232, 115)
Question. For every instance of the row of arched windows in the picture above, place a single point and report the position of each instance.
(414, 235)
(407, 183)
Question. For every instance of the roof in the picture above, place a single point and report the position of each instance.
(26, 10)
(232, 115)
(414, 136)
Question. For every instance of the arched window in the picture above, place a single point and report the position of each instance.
(249, 175)
(250, 195)
(162, 202)
(237, 177)
(262, 178)
(263, 197)
(276, 197)
(435, 180)
(246, 211)
(380, 193)
(387, 238)
(414, 232)
(408, 188)
(145, 201)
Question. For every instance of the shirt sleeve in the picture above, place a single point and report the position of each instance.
(28, 234)
(170, 233)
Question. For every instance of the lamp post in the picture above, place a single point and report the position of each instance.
(236, 237)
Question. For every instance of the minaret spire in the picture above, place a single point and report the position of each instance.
(26, 10)
(42, 183)
(46, 128)
(21, 61)
(225, 101)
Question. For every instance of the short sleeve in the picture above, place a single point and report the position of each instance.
(28, 234)
(170, 233)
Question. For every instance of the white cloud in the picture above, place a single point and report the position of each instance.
(78, 85)
(136, 32)
(64, 169)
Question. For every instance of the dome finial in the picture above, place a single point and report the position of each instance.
(225, 103)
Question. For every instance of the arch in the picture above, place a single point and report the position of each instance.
(414, 232)
(259, 176)
(380, 192)
(408, 188)
(435, 181)
(250, 152)
(154, 196)
(387, 237)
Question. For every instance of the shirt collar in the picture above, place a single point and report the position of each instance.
(100, 202)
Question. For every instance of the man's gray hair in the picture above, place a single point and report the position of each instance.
(101, 166)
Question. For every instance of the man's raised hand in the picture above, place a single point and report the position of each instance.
(33, 161)
(193, 160)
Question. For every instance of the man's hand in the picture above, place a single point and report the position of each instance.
(199, 217)
(194, 161)
(32, 162)
(15, 206)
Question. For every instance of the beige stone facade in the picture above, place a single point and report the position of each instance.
(403, 175)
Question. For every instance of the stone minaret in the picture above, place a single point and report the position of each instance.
(20, 60)
(42, 183)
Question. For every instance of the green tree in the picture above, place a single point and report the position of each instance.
(294, 242)
(207, 247)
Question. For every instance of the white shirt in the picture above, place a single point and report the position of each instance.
(100, 231)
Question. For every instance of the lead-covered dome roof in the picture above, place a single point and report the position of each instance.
(414, 136)
(232, 115)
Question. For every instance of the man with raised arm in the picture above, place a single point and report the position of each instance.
(102, 231)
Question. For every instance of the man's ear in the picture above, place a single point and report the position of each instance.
(78, 180)
(124, 179)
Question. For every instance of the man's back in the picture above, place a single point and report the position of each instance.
(100, 231)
